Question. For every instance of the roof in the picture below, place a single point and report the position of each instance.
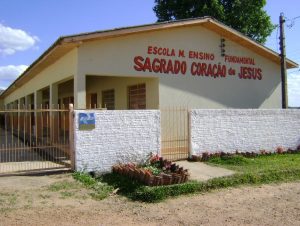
(65, 44)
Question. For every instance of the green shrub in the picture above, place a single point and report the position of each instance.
(158, 193)
(125, 184)
(101, 190)
(230, 160)
(251, 171)
(84, 178)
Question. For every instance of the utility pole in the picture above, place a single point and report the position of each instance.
(283, 63)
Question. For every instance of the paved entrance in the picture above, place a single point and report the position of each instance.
(201, 172)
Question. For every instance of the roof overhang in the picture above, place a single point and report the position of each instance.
(66, 43)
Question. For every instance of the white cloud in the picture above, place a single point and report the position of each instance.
(294, 89)
(13, 40)
(9, 73)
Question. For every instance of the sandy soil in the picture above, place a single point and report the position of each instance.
(29, 201)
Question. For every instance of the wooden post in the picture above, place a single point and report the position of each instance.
(189, 133)
(283, 63)
(71, 137)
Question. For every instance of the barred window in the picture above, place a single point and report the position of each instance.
(137, 96)
(108, 99)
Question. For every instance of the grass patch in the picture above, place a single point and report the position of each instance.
(63, 185)
(259, 164)
(66, 189)
(154, 194)
(250, 171)
(230, 160)
(44, 196)
(8, 201)
(66, 194)
(100, 190)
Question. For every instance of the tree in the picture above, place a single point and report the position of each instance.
(246, 16)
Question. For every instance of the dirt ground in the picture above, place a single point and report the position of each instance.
(39, 200)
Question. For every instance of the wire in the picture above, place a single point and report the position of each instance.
(296, 17)
(292, 21)
(293, 71)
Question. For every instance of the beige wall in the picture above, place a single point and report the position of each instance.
(62, 69)
(97, 84)
(115, 57)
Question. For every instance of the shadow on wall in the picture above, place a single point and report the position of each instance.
(230, 91)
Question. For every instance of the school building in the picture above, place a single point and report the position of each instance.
(199, 63)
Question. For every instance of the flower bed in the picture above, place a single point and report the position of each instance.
(155, 172)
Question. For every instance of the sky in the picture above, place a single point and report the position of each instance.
(28, 28)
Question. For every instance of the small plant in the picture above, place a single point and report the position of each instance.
(279, 150)
(159, 164)
(84, 178)
(154, 170)
(263, 152)
(101, 190)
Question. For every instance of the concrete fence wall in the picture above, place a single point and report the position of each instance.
(243, 130)
(118, 137)
(130, 136)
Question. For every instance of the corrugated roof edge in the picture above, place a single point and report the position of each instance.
(139, 26)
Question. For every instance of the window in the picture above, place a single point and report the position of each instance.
(93, 100)
(108, 99)
(66, 101)
(137, 96)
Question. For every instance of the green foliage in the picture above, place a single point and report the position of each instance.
(236, 160)
(246, 16)
(139, 192)
(251, 171)
(154, 170)
(101, 190)
(125, 185)
(159, 193)
(84, 178)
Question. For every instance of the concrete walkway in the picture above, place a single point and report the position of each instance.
(201, 172)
